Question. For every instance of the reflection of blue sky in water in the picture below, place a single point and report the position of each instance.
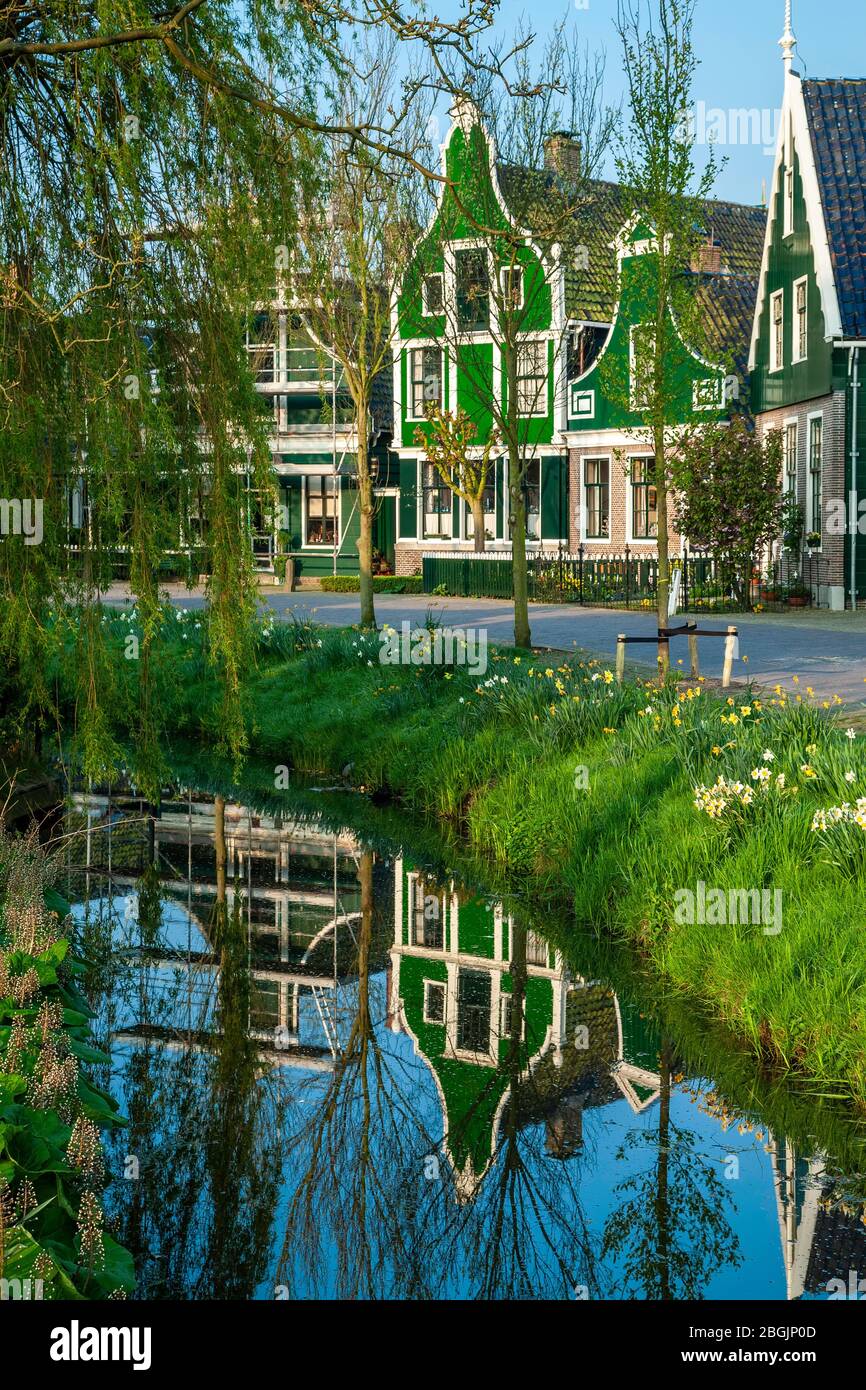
(585, 1133)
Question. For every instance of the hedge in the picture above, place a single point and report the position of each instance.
(382, 584)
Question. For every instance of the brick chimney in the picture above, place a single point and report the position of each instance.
(707, 259)
(562, 155)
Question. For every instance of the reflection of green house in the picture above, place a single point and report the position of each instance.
(452, 991)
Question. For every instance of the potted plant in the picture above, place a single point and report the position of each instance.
(813, 541)
(799, 595)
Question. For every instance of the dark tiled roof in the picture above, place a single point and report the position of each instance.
(838, 1245)
(836, 112)
(601, 214)
(729, 306)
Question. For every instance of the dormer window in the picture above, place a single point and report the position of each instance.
(777, 331)
(433, 296)
(801, 335)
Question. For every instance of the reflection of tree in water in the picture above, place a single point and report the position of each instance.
(359, 1139)
(522, 1233)
(373, 1183)
(670, 1233)
(203, 1125)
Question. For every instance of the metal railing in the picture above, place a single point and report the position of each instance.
(630, 579)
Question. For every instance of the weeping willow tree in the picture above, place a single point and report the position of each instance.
(152, 162)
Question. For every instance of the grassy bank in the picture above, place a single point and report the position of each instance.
(52, 1241)
(617, 801)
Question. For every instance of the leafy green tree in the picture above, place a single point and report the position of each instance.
(655, 165)
(727, 496)
(449, 444)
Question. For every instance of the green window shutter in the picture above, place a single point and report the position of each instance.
(552, 499)
(408, 498)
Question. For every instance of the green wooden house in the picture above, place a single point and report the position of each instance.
(453, 992)
(612, 489)
(448, 348)
(314, 454)
(807, 360)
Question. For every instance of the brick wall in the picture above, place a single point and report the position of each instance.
(407, 557)
(833, 483)
(619, 485)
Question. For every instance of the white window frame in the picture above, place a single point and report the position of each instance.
(776, 366)
(584, 511)
(410, 383)
(425, 305)
(507, 270)
(413, 883)
(451, 250)
(810, 518)
(338, 520)
(632, 538)
(542, 395)
(443, 986)
(438, 537)
(504, 1001)
(796, 355)
(786, 491)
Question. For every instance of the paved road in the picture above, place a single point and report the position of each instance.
(826, 650)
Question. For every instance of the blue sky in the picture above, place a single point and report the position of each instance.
(741, 63)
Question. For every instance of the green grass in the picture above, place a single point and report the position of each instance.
(589, 803)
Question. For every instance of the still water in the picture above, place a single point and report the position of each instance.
(347, 1073)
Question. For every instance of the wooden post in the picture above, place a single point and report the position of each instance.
(620, 657)
(693, 654)
(729, 657)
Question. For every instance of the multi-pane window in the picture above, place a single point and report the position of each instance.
(789, 458)
(434, 1001)
(434, 300)
(801, 338)
(437, 502)
(261, 347)
(532, 378)
(597, 498)
(320, 510)
(428, 927)
(425, 387)
(511, 280)
(816, 468)
(472, 289)
(304, 361)
(473, 1010)
(777, 330)
(644, 499)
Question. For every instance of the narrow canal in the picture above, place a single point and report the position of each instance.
(349, 1072)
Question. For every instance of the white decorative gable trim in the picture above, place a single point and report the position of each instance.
(794, 108)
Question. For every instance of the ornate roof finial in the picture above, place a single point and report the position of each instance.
(788, 42)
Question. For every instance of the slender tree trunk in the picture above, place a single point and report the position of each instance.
(522, 635)
(220, 847)
(365, 536)
(662, 1202)
(664, 570)
(478, 523)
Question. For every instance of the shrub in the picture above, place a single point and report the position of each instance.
(382, 584)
